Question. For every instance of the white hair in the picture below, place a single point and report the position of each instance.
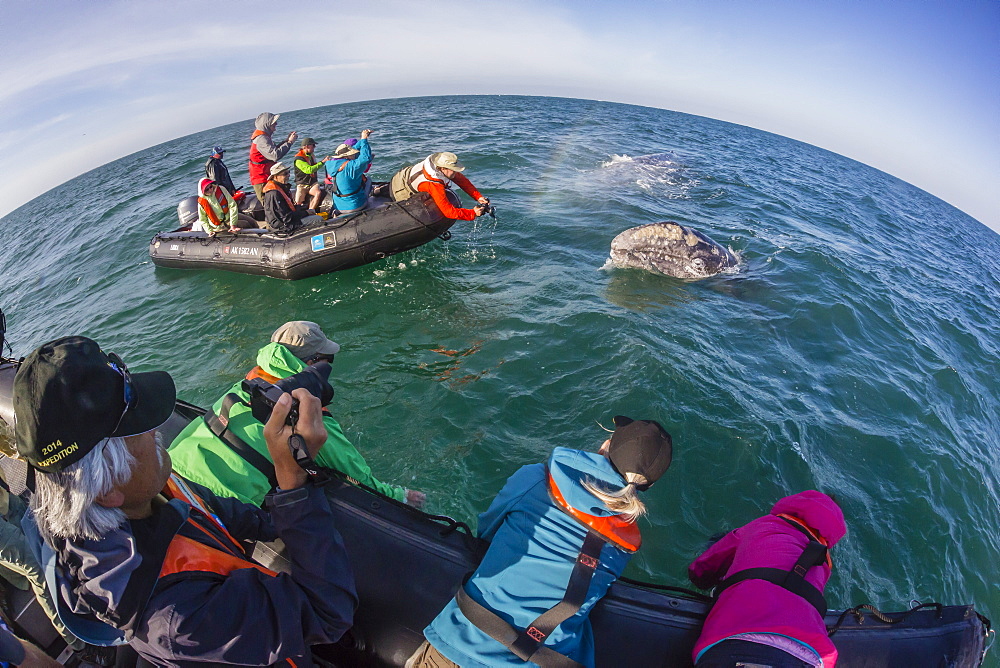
(625, 501)
(64, 503)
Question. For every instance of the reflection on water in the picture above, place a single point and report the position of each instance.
(638, 290)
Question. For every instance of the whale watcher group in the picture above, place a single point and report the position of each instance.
(140, 523)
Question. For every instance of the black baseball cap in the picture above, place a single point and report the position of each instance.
(640, 446)
(69, 395)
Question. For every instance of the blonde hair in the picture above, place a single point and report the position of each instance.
(625, 501)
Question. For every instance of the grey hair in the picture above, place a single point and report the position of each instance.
(64, 503)
(625, 501)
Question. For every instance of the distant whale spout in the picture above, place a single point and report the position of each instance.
(671, 249)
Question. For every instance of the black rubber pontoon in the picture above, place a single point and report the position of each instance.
(339, 243)
(408, 565)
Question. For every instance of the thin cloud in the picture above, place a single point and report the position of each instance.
(333, 67)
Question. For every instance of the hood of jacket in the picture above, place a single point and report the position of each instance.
(817, 510)
(433, 172)
(266, 122)
(113, 577)
(569, 468)
(277, 360)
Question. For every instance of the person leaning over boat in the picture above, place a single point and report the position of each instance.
(216, 170)
(769, 577)
(281, 214)
(199, 455)
(434, 175)
(306, 181)
(561, 533)
(350, 186)
(264, 152)
(217, 210)
(141, 554)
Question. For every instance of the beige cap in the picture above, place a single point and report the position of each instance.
(448, 161)
(304, 339)
(278, 168)
(345, 151)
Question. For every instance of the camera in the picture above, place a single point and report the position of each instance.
(489, 210)
(263, 395)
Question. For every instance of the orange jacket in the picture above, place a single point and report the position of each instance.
(436, 190)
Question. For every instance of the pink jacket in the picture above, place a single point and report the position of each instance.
(757, 606)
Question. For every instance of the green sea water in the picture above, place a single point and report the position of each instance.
(855, 351)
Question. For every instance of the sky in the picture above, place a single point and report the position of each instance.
(910, 88)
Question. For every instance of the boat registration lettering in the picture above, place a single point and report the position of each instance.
(174, 247)
(241, 250)
(324, 241)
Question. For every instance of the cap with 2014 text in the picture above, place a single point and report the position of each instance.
(69, 395)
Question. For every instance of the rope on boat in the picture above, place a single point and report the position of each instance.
(859, 614)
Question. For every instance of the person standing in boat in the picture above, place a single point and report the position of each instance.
(351, 188)
(200, 455)
(434, 175)
(769, 577)
(561, 533)
(264, 152)
(216, 170)
(217, 210)
(306, 181)
(281, 214)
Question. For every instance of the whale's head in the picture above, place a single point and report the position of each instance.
(671, 249)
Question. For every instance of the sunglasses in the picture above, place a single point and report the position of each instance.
(116, 363)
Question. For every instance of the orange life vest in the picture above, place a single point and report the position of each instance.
(258, 372)
(206, 206)
(273, 185)
(186, 554)
(614, 528)
(260, 166)
(812, 532)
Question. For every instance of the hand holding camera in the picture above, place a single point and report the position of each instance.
(280, 427)
(292, 413)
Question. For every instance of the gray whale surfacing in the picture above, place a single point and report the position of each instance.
(671, 249)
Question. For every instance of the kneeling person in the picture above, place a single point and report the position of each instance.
(143, 554)
(561, 533)
(200, 455)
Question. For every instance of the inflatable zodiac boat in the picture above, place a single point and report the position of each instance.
(408, 564)
(341, 242)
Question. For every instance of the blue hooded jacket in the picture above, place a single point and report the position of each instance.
(348, 179)
(534, 545)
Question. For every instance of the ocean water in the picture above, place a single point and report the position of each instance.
(855, 351)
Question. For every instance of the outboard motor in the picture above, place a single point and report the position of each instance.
(187, 211)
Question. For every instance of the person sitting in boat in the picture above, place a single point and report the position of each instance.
(570, 521)
(769, 577)
(201, 456)
(19, 566)
(217, 210)
(216, 170)
(264, 152)
(433, 175)
(351, 188)
(139, 553)
(281, 214)
(306, 180)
